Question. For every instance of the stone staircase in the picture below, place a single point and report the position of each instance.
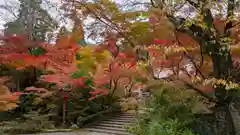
(113, 125)
(116, 124)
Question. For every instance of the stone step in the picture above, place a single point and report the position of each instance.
(114, 125)
(123, 118)
(125, 115)
(110, 124)
(108, 131)
(117, 122)
(120, 120)
(110, 128)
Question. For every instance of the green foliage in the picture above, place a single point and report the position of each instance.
(26, 103)
(78, 73)
(166, 114)
(31, 123)
(128, 104)
(154, 127)
(14, 27)
(139, 30)
(88, 82)
(37, 51)
(78, 56)
(78, 107)
(204, 124)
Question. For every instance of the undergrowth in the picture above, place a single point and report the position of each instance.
(168, 111)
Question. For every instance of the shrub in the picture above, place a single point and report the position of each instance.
(30, 123)
(169, 111)
(128, 104)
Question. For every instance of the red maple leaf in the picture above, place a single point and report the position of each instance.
(121, 55)
(32, 88)
(130, 64)
(16, 39)
(92, 98)
(79, 81)
(50, 78)
(60, 79)
(17, 55)
(161, 42)
(36, 61)
(17, 93)
(101, 80)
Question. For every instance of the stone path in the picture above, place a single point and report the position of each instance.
(113, 125)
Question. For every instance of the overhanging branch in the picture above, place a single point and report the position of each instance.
(115, 27)
(190, 86)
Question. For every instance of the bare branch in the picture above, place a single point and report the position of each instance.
(194, 64)
(9, 7)
(153, 4)
(115, 27)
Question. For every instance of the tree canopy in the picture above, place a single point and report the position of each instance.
(32, 18)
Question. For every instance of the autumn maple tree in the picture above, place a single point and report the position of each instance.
(20, 53)
(107, 68)
(68, 64)
(199, 51)
(208, 44)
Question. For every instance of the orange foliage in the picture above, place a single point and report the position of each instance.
(8, 100)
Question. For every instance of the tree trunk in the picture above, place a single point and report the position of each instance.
(225, 113)
(227, 120)
(223, 119)
(222, 64)
(236, 118)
